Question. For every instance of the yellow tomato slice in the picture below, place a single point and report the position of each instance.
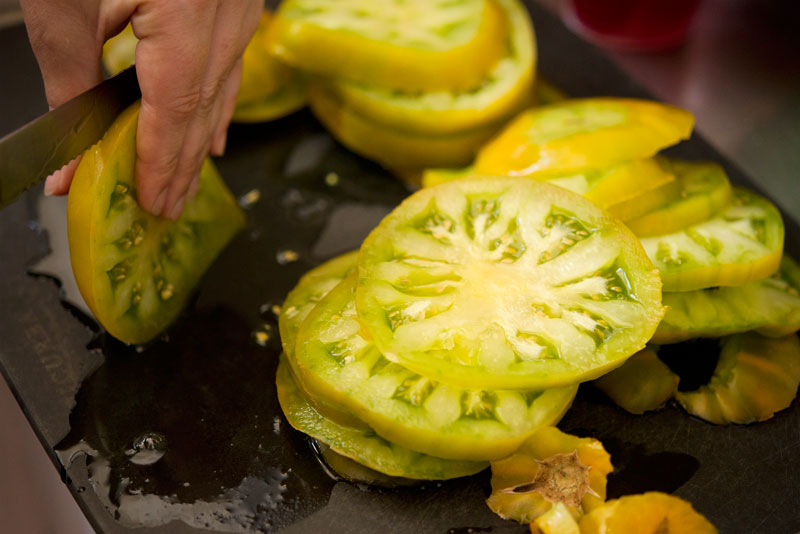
(581, 134)
(135, 270)
(626, 190)
(426, 45)
(704, 191)
(119, 52)
(618, 188)
(504, 91)
(649, 512)
(396, 150)
(269, 89)
(362, 444)
(645, 200)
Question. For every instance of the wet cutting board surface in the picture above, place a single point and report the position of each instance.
(185, 435)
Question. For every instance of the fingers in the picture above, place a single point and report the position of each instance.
(58, 183)
(171, 59)
(228, 107)
(184, 61)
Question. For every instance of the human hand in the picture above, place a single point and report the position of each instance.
(188, 61)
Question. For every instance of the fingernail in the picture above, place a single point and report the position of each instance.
(176, 209)
(50, 185)
(161, 199)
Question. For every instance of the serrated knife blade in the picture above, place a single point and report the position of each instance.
(33, 152)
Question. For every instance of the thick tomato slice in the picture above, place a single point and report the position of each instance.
(394, 149)
(363, 445)
(505, 282)
(135, 270)
(337, 363)
(704, 191)
(743, 243)
(505, 90)
(770, 305)
(311, 288)
(415, 45)
(581, 134)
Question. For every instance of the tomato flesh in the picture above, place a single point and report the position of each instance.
(135, 270)
(505, 282)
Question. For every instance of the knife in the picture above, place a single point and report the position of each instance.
(44, 145)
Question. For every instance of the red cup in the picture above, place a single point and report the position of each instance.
(631, 25)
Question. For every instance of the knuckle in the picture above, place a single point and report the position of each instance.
(185, 104)
(208, 96)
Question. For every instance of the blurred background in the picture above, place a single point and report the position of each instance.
(737, 70)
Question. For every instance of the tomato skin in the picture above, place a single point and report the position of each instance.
(135, 270)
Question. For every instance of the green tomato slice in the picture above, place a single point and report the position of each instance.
(704, 191)
(311, 288)
(409, 409)
(364, 445)
(742, 244)
(755, 377)
(135, 270)
(501, 282)
(770, 305)
(642, 384)
(504, 91)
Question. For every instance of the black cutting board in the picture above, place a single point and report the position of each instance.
(207, 390)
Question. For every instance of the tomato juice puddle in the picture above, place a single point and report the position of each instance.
(189, 427)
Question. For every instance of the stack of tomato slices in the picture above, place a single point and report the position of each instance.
(474, 309)
(718, 248)
(463, 325)
(411, 83)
